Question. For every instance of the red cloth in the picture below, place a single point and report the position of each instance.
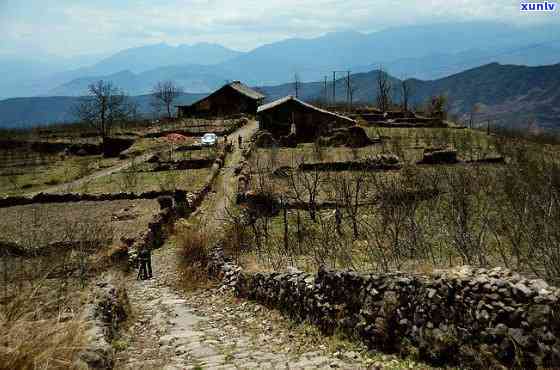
(175, 138)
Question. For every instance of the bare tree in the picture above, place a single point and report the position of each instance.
(164, 93)
(103, 107)
(406, 91)
(383, 90)
(304, 188)
(352, 89)
(474, 110)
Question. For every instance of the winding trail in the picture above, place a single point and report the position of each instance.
(210, 328)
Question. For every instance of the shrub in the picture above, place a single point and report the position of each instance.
(193, 256)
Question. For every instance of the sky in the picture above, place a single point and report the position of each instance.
(76, 27)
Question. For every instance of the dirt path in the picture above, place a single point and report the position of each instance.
(102, 173)
(211, 329)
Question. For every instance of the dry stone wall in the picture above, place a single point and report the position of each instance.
(467, 316)
(43, 198)
(105, 316)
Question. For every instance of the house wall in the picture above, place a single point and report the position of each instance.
(223, 103)
(309, 123)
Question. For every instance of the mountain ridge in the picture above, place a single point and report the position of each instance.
(426, 51)
(508, 95)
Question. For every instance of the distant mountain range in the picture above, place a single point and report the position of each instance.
(424, 52)
(506, 94)
(51, 76)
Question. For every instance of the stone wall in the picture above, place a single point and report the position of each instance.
(181, 205)
(467, 316)
(105, 315)
(43, 198)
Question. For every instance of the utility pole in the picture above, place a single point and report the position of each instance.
(348, 90)
(334, 88)
(326, 92)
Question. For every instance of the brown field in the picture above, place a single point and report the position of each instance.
(129, 181)
(38, 225)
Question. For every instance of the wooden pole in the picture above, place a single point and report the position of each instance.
(334, 88)
(326, 92)
(348, 90)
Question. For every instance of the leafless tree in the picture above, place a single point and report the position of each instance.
(406, 91)
(103, 107)
(164, 93)
(352, 89)
(304, 188)
(349, 191)
(475, 109)
(383, 90)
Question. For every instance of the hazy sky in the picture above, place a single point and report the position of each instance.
(68, 27)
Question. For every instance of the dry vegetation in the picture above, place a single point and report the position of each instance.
(50, 253)
(37, 226)
(27, 171)
(420, 218)
(131, 181)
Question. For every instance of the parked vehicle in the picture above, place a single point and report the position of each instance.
(209, 139)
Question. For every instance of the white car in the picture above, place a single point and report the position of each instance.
(209, 139)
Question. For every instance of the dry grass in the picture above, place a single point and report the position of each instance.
(36, 226)
(130, 181)
(192, 250)
(31, 338)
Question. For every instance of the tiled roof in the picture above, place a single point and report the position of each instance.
(246, 90)
(286, 99)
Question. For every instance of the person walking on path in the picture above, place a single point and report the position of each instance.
(145, 264)
(239, 141)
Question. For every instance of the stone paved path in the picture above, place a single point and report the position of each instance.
(211, 329)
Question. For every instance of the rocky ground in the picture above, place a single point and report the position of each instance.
(211, 329)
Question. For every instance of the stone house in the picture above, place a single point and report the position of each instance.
(291, 115)
(231, 99)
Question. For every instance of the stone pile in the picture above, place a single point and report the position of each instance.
(353, 137)
(439, 156)
(222, 268)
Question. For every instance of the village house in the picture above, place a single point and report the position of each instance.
(291, 115)
(233, 98)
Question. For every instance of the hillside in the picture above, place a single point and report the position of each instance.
(510, 95)
(27, 112)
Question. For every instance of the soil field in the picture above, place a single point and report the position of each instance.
(39, 225)
(130, 181)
